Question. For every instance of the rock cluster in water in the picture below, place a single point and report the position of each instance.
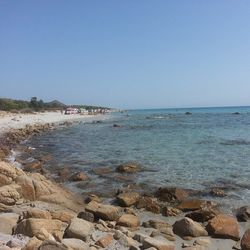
(37, 213)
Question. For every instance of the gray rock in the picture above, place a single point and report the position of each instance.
(7, 222)
(75, 244)
(79, 229)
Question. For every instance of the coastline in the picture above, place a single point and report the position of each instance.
(128, 230)
(10, 121)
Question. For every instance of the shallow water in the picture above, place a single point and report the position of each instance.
(209, 148)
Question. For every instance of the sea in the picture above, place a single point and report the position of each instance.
(194, 148)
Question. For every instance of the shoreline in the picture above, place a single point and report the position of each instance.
(127, 204)
(10, 121)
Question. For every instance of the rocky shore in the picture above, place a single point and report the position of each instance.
(39, 213)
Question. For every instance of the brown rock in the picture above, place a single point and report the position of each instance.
(171, 194)
(27, 187)
(128, 199)
(157, 224)
(80, 176)
(243, 214)
(10, 194)
(150, 204)
(33, 166)
(63, 216)
(128, 220)
(103, 170)
(36, 213)
(224, 226)
(44, 235)
(86, 216)
(203, 215)
(64, 173)
(188, 228)
(162, 228)
(52, 245)
(217, 192)
(75, 244)
(2, 154)
(92, 206)
(170, 211)
(31, 227)
(92, 197)
(105, 241)
(33, 244)
(130, 167)
(158, 244)
(8, 173)
(194, 204)
(107, 212)
(245, 241)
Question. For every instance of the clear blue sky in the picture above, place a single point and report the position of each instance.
(127, 54)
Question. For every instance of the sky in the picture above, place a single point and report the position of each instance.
(127, 53)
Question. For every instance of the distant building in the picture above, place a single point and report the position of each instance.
(71, 111)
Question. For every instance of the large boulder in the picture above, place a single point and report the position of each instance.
(171, 194)
(128, 199)
(224, 226)
(245, 241)
(243, 214)
(32, 226)
(129, 220)
(7, 222)
(188, 228)
(79, 229)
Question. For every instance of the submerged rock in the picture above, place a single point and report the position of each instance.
(80, 176)
(243, 214)
(130, 167)
(171, 194)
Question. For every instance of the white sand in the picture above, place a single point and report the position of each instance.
(14, 121)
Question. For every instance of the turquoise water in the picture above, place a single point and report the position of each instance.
(209, 148)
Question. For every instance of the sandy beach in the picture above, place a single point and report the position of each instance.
(10, 121)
